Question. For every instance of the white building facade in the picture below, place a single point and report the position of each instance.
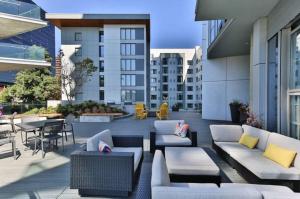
(174, 77)
(119, 48)
(267, 35)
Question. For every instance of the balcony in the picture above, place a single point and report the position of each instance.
(236, 31)
(17, 57)
(18, 17)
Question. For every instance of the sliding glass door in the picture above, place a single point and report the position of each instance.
(294, 85)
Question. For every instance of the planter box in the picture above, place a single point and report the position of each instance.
(98, 117)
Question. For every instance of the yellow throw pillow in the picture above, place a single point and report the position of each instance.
(248, 140)
(282, 156)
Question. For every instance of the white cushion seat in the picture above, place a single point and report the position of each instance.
(258, 187)
(190, 161)
(254, 161)
(172, 140)
(138, 151)
(194, 185)
(279, 195)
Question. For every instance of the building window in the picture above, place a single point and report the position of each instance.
(153, 80)
(190, 71)
(179, 87)
(154, 62)
(128, 95)
(189, 105)
(179, 70)
(179, 97)
(153, 88)
(128, 80)
(165, 79)
(179, 79)
(190, 62)
(154, 71)
(101, 80)
(154, 97)
(78, 52)
(189, 88)
(165, 96)
(127, 49)
(165, 70)
(101, 94)
(165, 61)
(165, 87)
(128, 65)
(190, 97)
(127, 33)
(189, 79)
(101, 66)
(78, 36)
(101, 36)
(153, 105)
(101, 51)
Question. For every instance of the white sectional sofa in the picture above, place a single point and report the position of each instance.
(251, 163)
(162, 188)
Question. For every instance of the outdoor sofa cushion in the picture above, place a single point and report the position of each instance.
(138, 151)
(166, 126)
(226, 133)
(279, 195)
(258, 187)
(93, 142)
(263, 135)
(172, 140)
(248, 140)
(254, 161)
(281, 155)
(190, 161)
(288, 143)
(160, 176)
(202, 191)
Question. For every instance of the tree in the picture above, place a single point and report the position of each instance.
(74, 76)
(33, 85)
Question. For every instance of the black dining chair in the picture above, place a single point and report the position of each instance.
(26, 131)
(52, 131)
(68, 127)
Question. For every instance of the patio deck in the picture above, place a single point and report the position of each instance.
(33, 177)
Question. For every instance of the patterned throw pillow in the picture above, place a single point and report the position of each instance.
(103, 147)
(181, 129)
(184, 130)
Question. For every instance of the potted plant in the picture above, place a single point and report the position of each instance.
(254, 121)
(244, 113)
(235, 111)
(175, 107)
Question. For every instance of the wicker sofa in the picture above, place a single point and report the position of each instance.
(254, 167)
(162, 187)
(95, 173)
(162, 135)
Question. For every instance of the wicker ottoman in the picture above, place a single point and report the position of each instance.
(191, 164)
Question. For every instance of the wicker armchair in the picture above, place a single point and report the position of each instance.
(95, 173)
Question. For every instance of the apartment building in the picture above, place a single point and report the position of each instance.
(17, 17)
(175, 78)
(252, 50)
(43, 37)
(118, 44)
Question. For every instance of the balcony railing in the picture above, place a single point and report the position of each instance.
(20, 8)
(22, 52)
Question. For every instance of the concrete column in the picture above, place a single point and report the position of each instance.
(258, 68)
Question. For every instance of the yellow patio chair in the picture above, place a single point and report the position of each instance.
(140, 111)
(163, 112)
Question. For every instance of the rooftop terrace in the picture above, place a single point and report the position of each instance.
(33, 177)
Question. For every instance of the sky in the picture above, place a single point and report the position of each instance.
(173, 22)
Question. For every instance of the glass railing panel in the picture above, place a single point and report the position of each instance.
(22, 52)
(20, 8)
